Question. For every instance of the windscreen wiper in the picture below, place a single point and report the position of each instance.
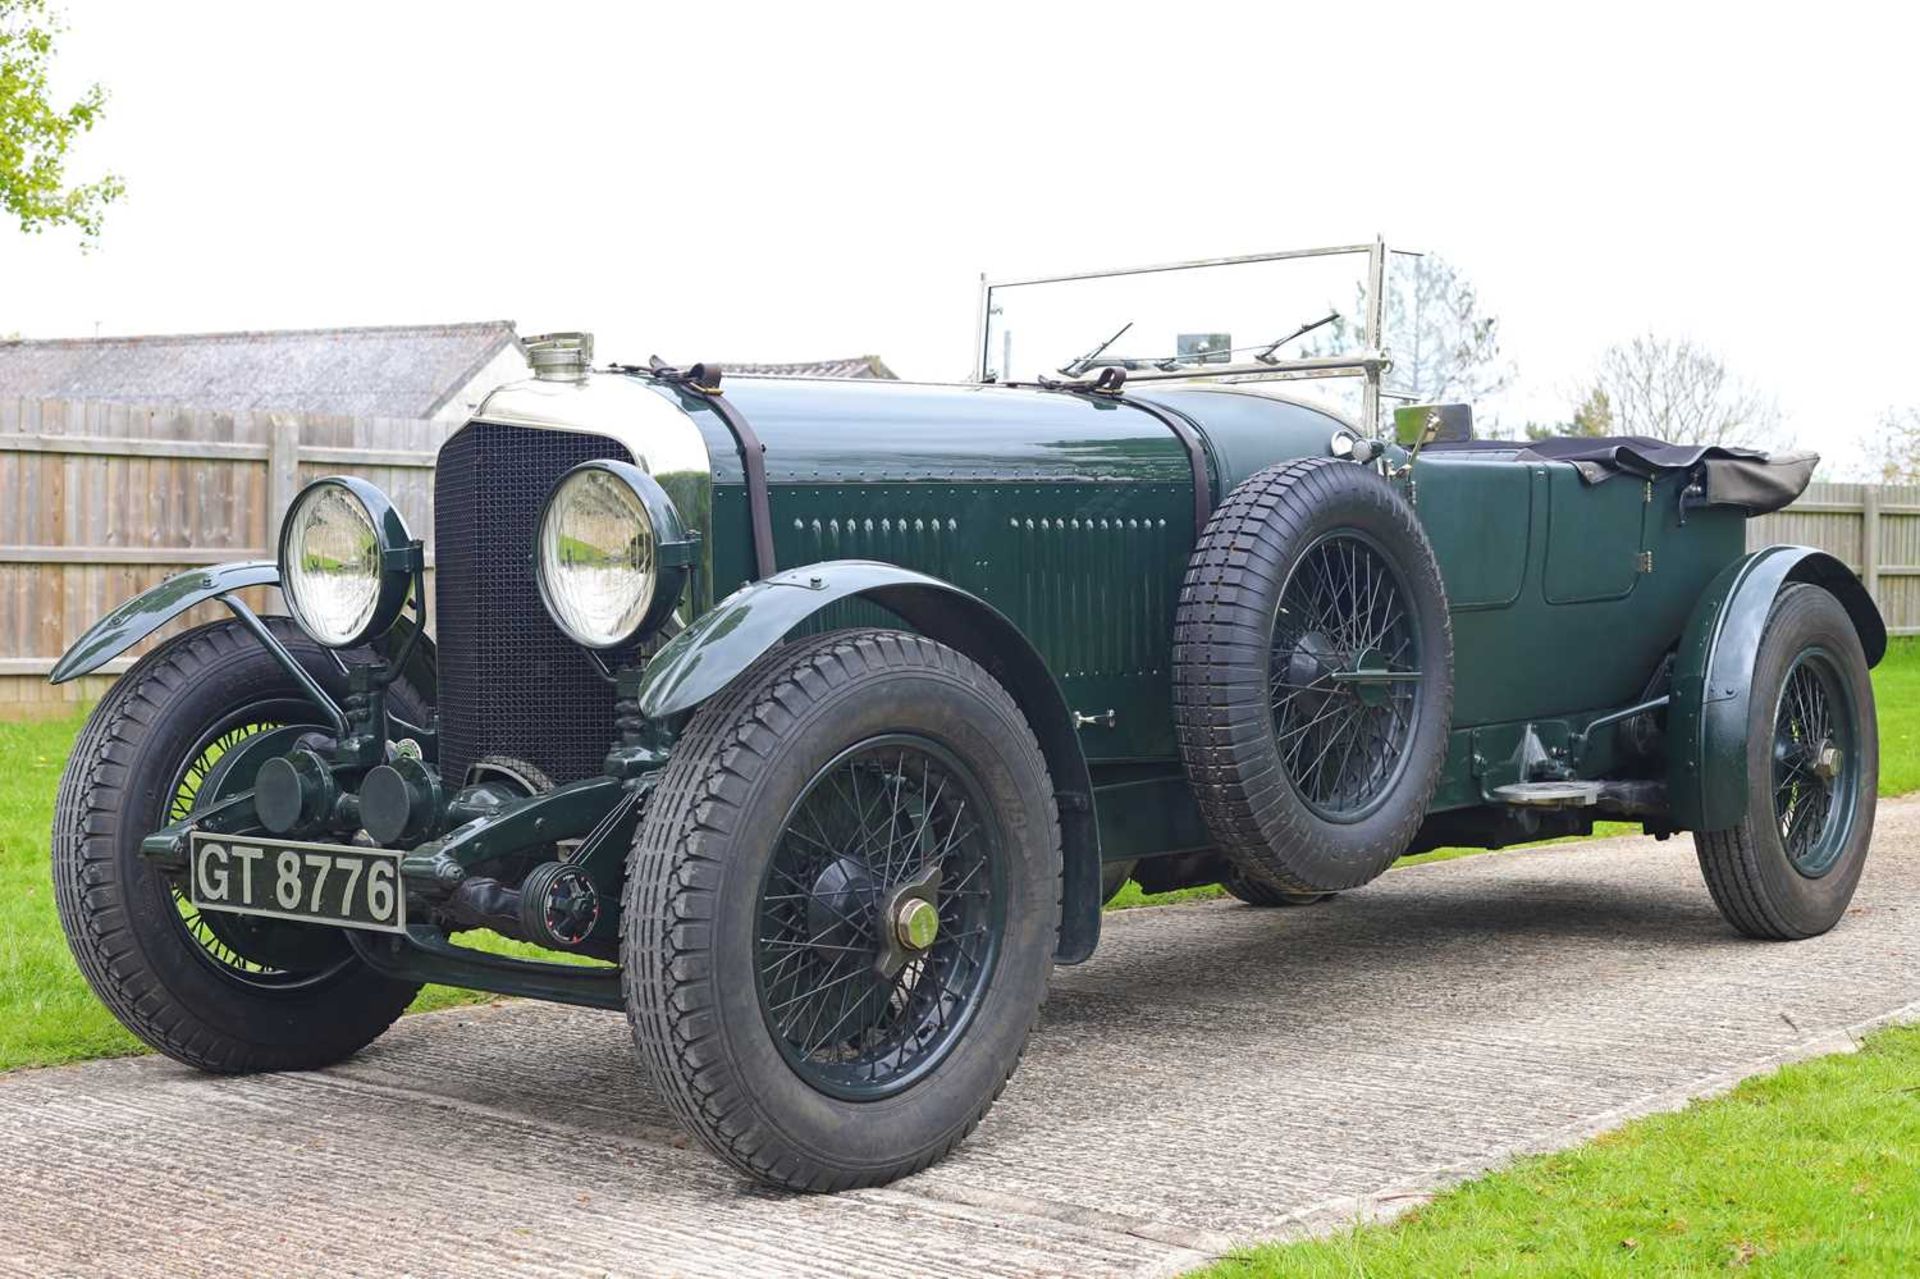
(1074, 368)
(1265, 354)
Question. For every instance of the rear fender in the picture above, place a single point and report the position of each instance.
(1713, 675)
(711, 653)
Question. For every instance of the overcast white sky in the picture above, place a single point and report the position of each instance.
(715, 181)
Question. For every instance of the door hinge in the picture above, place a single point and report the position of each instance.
(1643, 562)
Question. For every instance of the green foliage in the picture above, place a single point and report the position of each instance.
(1812, 1170)
(35, 134)
(1593, 419)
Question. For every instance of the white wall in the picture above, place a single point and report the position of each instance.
(508, 366)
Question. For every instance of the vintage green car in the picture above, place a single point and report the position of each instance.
(812, 723)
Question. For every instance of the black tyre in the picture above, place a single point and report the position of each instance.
(1790, 868)
(1255, 893)
(1313, 675)
(799, 1015)
(223, 993)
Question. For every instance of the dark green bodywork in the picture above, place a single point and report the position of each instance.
(1712, 691)
(1071, 515)
(147, 612)
(1046, 533)
(1565, 598)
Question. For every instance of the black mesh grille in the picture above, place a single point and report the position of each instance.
(510, 683)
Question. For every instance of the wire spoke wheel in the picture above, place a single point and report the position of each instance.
(842, 908)
(1813, 759)
(879, 917)
(1313, 676)
(1344, 676)
(262, 954)
(1788, 867)
(184, 730)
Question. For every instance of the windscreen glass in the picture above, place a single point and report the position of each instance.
(1189, 320)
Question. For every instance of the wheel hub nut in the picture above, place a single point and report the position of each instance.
(1826, 764)
(916, 923)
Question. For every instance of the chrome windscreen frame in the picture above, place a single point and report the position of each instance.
(1370, 362)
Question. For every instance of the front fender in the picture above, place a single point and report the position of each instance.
(708, 655)
(147, 612)
(711, 653)
(1713, 675)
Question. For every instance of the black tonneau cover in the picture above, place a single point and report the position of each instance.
(1759, 482)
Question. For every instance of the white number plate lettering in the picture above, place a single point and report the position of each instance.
(316, 883)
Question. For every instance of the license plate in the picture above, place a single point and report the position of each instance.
(315, 883)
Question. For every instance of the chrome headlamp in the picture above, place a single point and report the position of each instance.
(344, 562)
(610, 556)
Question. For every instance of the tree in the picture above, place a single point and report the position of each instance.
(1594, 419)
(35, 134)
(1900, 438)
(1444, 349)
(1676, 390)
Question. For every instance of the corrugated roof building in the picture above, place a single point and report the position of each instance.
(864, 366)
(419, 371)
(406, 371)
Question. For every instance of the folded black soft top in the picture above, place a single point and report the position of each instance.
(1759, 482)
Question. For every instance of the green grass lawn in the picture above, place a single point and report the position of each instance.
(47, 1013)
(1814, 1169)
(1131, 895)
(1896, 694)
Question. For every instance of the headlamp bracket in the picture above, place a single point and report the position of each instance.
(411, 558)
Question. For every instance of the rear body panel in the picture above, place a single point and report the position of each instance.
(1565, 596)
(1556, 607)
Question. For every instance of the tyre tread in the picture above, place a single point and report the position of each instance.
(89, 896)
(1220, 660)
(1731, 860)
(674, 877)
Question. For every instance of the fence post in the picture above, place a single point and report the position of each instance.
(1870, 540)
(283, 472)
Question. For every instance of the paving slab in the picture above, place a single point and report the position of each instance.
(1217, 1074)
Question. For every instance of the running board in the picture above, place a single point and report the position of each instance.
(1549, 794)
(1632, 798)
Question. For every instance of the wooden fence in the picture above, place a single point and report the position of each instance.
(1873, 528)
(100, 501)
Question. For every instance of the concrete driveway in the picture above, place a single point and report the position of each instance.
(1217, 1074)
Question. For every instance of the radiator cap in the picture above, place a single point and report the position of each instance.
(560, 357)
